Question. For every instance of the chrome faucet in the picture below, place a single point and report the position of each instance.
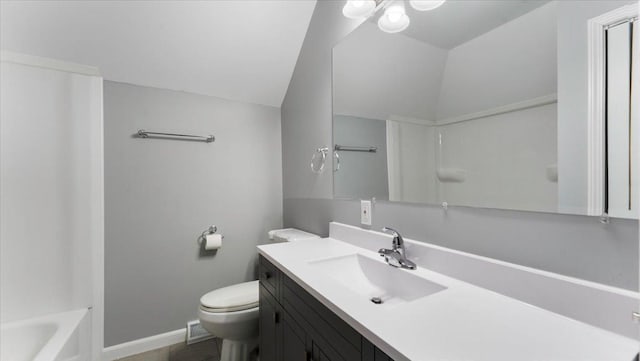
(397, 255)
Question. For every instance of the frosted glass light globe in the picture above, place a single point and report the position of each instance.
(394, 19)
(425, 5)
(357, 9)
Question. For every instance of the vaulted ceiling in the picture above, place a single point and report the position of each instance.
(458, 21)
(241, 50)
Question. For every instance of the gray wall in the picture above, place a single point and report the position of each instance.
(306, 110)
(572, 245)
(362, 173)
(161, 194)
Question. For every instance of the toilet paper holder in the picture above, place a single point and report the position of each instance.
(211, 230)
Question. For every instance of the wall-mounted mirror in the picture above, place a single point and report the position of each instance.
(525, 105)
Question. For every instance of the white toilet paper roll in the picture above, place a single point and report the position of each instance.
(213, 241)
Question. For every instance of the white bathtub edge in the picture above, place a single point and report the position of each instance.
(66, 324)
(144, 344)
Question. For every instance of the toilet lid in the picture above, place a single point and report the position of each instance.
(237, 297)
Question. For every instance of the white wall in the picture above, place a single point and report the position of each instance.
(376, 75)
(505, 158)
(412, 162)
(506, 172)
(511, 63)
(161, 194)
(51, 191)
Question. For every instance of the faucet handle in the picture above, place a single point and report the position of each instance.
(397, 238)
(383, 252)
(390, 230)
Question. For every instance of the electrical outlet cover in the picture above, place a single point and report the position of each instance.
(365, 212)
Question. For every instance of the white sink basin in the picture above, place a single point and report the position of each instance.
(371, 278)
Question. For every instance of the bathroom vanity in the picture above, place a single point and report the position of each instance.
(316, 304)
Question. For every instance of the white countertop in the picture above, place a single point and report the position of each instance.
(463, 322)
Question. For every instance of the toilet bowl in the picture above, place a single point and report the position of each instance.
(231, 313)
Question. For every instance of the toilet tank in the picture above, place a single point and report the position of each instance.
(290, 235)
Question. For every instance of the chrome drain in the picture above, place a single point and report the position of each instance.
(376, 300)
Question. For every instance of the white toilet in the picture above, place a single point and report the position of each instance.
(231, 313)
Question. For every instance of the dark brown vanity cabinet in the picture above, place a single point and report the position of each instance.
(295, 326)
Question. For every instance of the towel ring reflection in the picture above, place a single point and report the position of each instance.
(337, 157)
(322, 152)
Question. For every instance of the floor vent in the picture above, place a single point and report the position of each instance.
(196, 333)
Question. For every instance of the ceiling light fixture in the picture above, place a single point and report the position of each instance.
(425, 5)
(356, 9)
(394, 19)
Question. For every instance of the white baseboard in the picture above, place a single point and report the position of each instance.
(144, 344)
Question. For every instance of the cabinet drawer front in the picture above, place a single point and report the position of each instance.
(269, 276)
(294, 340)
(327, 324)
(269, 328)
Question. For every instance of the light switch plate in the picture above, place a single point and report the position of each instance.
(365, 212)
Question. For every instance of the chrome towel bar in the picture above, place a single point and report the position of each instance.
(204, 138)
(349, 148)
